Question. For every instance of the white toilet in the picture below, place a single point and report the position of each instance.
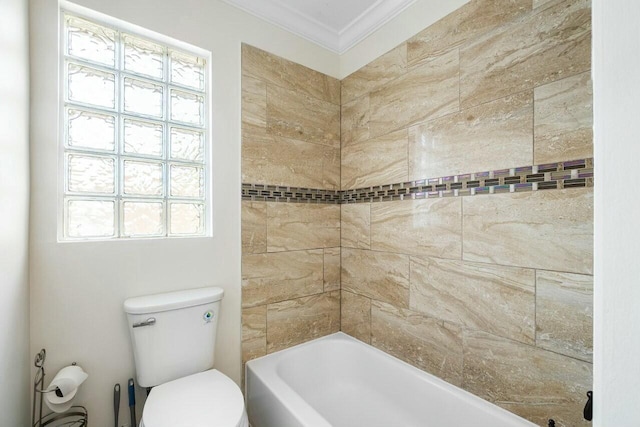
(173, 336)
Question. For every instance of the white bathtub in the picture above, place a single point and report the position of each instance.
(339, 381)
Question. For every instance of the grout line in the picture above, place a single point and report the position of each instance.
(370, 321)
(535, 307)
(492, 263)
(459, 80)
(462, 229)
(266, 228)
(324, 265)
(533, 126)
(266, 328)
(409, 153)
(370, 224)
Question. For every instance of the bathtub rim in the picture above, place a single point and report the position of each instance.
(304, 412)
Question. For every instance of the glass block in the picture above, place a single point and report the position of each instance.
(142, 97)
(187, 218)
(187, 107)
(91, 130)
(90, 218)
(187, 181)
(90, 174)
(187, 70)
(91, 86)
(142, 137)
(90, 41)
(143, 57)
(142, 178)
(187, 144)
(142, 218)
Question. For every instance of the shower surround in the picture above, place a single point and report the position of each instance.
(436, 203)
(290, 251)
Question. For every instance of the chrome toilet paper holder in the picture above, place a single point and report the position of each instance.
(77, 416)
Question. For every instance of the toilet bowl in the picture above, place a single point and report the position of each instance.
(173, 336)
(206, 399)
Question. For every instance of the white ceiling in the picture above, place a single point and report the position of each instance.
(334, 24)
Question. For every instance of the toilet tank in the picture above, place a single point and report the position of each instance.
(173, 334)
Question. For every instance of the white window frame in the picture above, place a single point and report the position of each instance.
(122, 27)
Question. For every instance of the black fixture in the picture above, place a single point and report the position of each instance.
(588, 408)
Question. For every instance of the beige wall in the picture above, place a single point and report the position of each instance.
(493, 292)
(290, 251)
(15, 361)
(77, 289)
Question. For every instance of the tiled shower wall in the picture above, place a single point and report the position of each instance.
(290, 251)
(492, 292)
(463, 241)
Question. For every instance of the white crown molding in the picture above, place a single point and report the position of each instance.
(369, 21)
(309, 28)
(291, 20)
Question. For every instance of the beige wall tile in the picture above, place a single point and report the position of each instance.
(377, 161)
(254, 102)
(294, 226)
(489, 137)
(355, 318)
(375, 74)
(354, 121)
(254, 227)
(378, 275)
(428, 91)
(545, 3)
(429, 344)
(466, 23)
(564, 313)
(330, 168)
(546, 45)
(295, 321)
(268, 159)
(564, 120)
(485, 297)
(355, 225)
(283, 154)
(412, 295)
(254, 332)
(331, 269)
(535, 384)
(289, 75)
(295, 115)
(551, 230)
(428, 227)
(272, 277)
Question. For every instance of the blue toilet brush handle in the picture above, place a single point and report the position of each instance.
(132, 402)
(116, 402)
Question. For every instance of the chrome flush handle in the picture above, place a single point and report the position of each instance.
(149, 322)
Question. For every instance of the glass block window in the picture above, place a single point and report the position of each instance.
(135, 135)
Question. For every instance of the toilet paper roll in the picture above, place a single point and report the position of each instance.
(60, 408)
(64, 387)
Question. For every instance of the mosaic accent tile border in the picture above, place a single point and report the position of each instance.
(570, 174)
(576, 173)
(276, 193)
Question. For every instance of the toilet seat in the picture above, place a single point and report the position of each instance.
(205, 399)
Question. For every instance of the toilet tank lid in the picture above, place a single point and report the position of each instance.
(172, 300)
